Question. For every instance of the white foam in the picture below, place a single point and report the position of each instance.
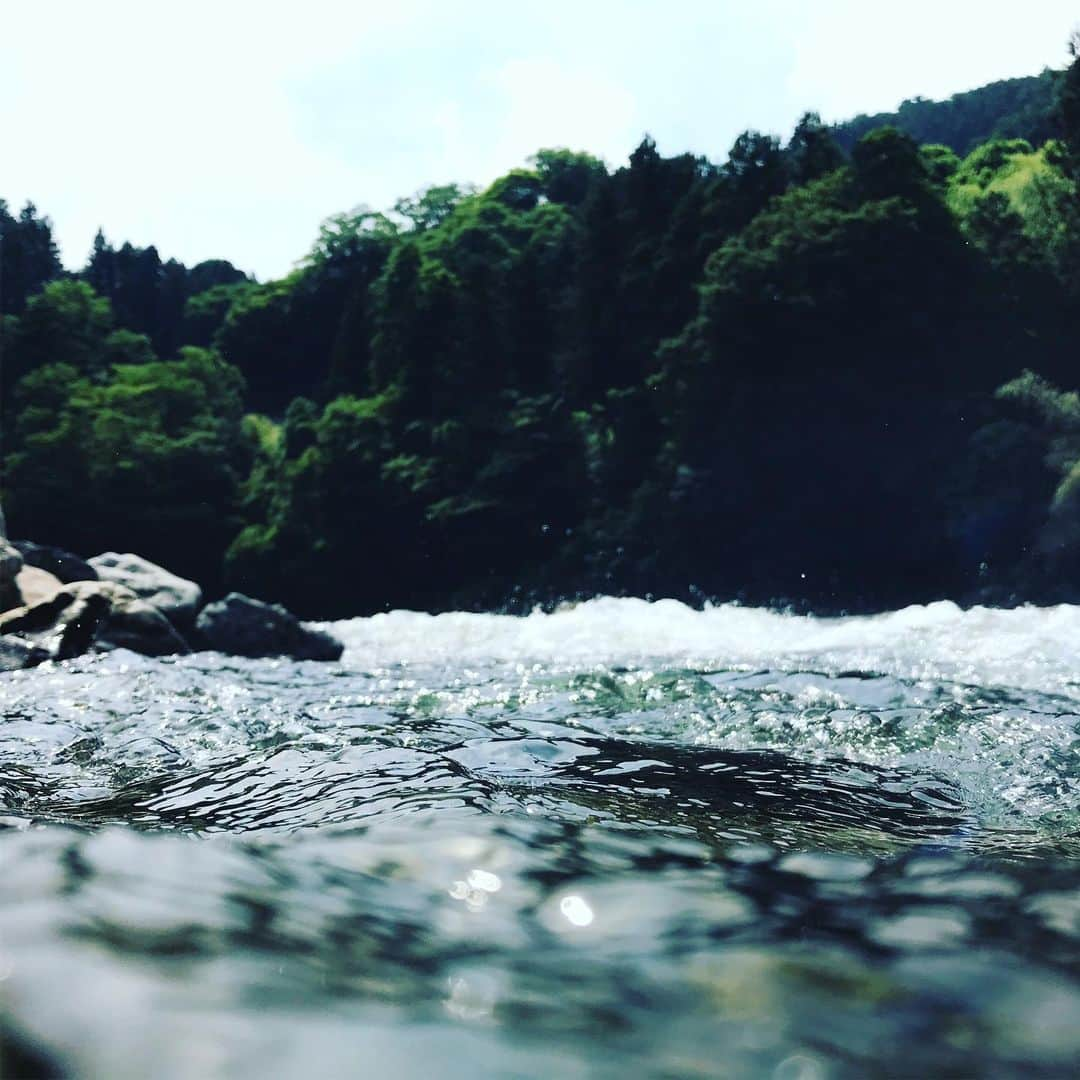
(1026, 647)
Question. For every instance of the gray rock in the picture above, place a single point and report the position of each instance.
(63, 564)
(174, 596)
(36, 585)
(11, 562)
(246, 627)
(93, 614)
(133, 623)
(17, 653)
(63, 626)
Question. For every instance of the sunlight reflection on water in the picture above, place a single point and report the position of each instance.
(779, 861)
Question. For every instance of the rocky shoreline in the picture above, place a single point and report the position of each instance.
(55, 605)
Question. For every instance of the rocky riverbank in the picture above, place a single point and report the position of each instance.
(55, 605)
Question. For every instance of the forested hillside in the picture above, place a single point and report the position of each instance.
(827, 372)
(1010, 109)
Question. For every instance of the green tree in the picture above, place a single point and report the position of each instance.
(205, 312)
(1055, 415)
(28, 257)
(430, 207)
(941, 163)
(567, 176)
(1068, 106)
(812, 152)
(148, 459)
(67, 322)
(886, 163)
(331, 538)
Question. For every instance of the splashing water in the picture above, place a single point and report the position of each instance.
(621, 836)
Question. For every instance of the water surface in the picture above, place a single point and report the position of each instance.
(623, 838)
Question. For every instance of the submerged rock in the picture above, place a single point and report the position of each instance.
(249, 627)
(84, 614)
(63, 564)
(175, 597)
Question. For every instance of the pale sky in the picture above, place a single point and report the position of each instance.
(231, 128)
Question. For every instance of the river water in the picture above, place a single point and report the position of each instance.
(620, 839)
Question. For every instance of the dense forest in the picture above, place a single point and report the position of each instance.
(1010, 109)
(836, 372)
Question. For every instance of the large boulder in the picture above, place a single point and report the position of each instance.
(62, 564)
(62, 626)
(174, 596)
(36, 585)
(93, 614)
(135, 624)
(247, 627)
(11, 562)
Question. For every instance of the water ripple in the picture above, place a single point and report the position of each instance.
(821, 860)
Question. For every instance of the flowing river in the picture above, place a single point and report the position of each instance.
(622, 839)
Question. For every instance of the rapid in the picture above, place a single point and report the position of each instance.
(623, 837)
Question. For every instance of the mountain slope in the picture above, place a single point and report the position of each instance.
(1012, 108)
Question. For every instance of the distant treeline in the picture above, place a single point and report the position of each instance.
(803, 375)
(1010, 109)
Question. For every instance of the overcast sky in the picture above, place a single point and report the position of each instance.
(232, 128)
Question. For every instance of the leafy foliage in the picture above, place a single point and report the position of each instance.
(147, 459)
(67, 322)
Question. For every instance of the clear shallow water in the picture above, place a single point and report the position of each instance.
(621, 838)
